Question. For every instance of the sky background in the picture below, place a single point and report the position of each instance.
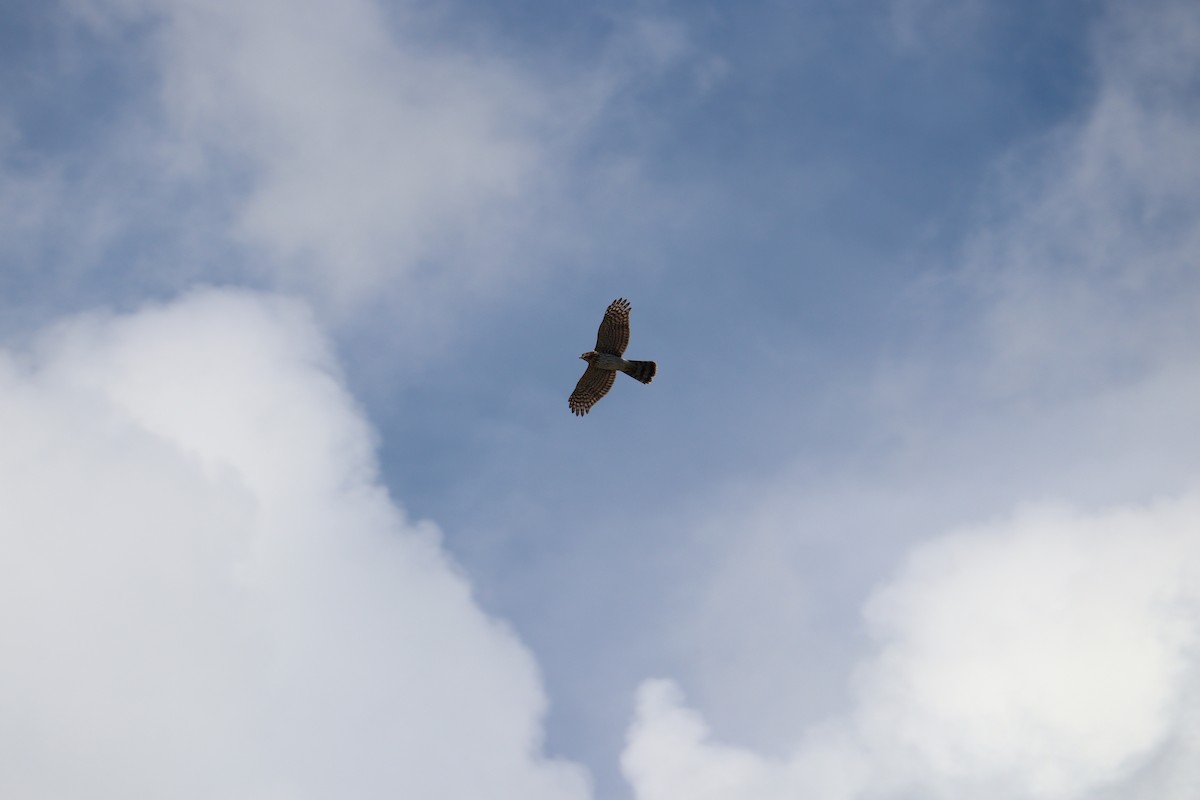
(291, 298)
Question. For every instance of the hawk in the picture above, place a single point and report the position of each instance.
(605, 360)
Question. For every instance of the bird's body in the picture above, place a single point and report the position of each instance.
(605, 361)
(638, 370)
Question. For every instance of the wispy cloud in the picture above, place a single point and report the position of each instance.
(355, 155)
(359, 148)
(916, 22)
(1091, 270)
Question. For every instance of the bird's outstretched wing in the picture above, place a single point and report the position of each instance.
(613, 336)
(594, 384)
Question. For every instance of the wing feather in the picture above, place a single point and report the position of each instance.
(594, 384)
(613, 336)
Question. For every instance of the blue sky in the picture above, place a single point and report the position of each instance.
(290, 303)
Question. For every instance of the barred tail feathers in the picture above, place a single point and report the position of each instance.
(643, 371)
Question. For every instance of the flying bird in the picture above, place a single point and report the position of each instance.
(605, 361)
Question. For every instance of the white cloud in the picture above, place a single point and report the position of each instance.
(384, 160)
(1045, 656)
(669, 754)
(207, 592)
(367, 147)
(1090, 268)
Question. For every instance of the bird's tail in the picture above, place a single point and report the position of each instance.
(643, 371)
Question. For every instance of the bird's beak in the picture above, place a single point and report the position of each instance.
(584, 356)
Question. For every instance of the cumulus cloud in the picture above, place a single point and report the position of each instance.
(1041, 657)
(207, 592)
(1050, 655)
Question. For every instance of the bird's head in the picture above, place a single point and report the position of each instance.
(588, 356)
